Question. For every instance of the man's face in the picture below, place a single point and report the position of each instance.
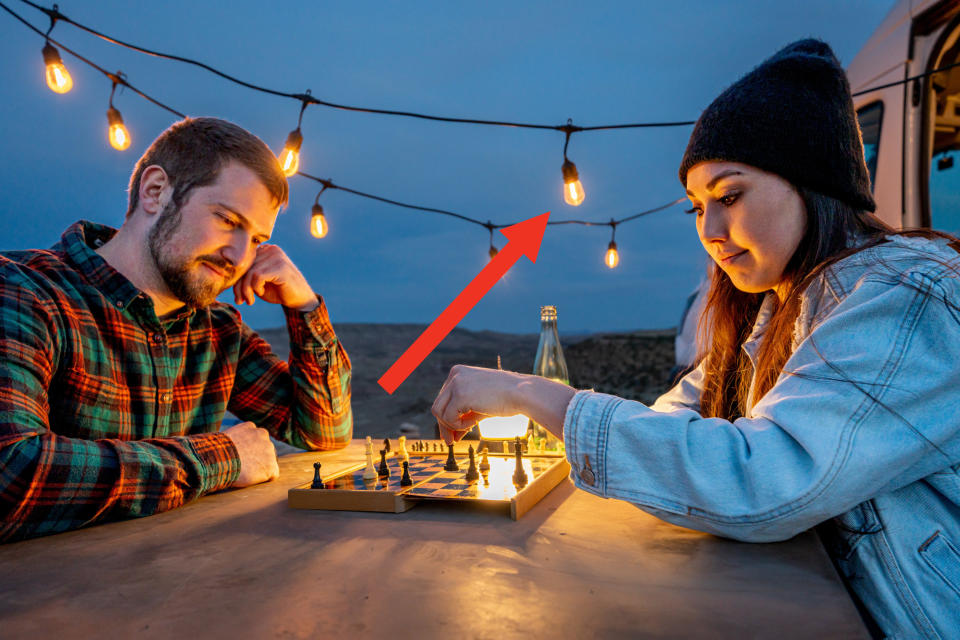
(205, 246)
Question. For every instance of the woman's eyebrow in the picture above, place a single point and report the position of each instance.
(718, 177)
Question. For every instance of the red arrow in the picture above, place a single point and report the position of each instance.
(523, 238)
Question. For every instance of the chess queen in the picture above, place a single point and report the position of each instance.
(827, 386)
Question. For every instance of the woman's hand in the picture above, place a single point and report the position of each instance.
(471, 394)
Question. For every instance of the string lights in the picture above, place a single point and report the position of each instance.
(572, 188)
(318, 222)
(612, 257)
(290, 156)
(60, 81)
(117, 132)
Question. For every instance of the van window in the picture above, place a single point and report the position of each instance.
(944, 170)
(870, 118)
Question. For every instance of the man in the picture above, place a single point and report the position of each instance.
(117, 364)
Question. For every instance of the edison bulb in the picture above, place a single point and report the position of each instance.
(318, 222)
(573, 193)
(117, 132)
(290, 156)
(493, 252)
(58, 78)
(612, 259)
(572, 188)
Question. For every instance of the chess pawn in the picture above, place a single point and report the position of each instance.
(317, 480)
(472, 474)
(484, 463)
(402, 449)
(406, 480)
(384, 470)
(519, 475)
(451, 464)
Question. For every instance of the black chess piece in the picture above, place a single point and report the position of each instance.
(472, 474)
(317, 481)
(383, 471)
(519, 475)
(451, 464)
(386, 445)
(406, 480)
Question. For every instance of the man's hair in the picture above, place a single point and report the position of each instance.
(194, 150)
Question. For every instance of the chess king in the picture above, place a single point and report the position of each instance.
(117, 363)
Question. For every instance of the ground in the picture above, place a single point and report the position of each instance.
(634, 365)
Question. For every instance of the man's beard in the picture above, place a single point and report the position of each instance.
(181, 275)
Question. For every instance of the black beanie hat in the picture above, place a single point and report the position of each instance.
(793, 116)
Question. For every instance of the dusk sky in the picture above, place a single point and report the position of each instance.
(543, 62)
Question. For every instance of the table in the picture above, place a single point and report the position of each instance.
(241, 564)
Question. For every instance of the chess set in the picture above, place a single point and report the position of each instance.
(431, 471)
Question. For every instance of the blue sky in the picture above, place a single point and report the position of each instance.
(597, 63)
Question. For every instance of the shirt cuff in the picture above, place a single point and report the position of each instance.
(585, 433)
(219, 460)
(310, 329)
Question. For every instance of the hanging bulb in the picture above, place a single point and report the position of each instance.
(612, 259)
(290, 156)
(58, 78)
(493, 252)
(117, 132)
(572, 189)
(318, 222)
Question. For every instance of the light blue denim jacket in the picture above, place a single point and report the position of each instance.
(863, 435)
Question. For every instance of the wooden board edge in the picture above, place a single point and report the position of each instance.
(531, 494)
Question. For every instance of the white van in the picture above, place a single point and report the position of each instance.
(911, 131)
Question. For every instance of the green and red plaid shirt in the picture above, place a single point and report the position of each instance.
(107, 411)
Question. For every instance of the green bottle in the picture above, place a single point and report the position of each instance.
(549, 363)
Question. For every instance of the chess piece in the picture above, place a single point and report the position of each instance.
(406, 480)
(402, 449)
(384, 470)
(484, 463)
(472, 474)
(451, 464)
(519, 475)
(317, 481)
(386, 445)
(371, 471)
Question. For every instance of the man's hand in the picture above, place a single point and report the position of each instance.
(274, 278)
(258, 458)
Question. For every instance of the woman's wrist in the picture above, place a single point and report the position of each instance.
(544, 401)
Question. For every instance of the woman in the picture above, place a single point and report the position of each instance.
(829, 388)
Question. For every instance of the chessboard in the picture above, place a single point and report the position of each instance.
(347, 490)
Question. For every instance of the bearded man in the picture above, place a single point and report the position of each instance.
(117, 363)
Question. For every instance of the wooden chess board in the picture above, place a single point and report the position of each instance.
(348, 491)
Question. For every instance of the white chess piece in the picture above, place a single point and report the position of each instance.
(370, 472)
(402, 451)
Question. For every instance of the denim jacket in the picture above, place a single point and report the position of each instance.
(861, 432)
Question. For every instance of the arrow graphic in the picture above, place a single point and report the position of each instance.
(523, 239)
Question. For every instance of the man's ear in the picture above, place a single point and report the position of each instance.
(155, 189)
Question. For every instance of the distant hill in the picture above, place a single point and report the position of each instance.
(634, 365)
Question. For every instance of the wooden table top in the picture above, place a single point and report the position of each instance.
(241, 564)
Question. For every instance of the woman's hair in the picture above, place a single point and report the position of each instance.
(832, 229)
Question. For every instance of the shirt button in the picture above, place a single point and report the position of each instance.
(586, 473)
(156, 337)
(166, 397)
(119, 304)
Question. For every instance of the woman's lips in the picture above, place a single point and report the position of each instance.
(730, 257)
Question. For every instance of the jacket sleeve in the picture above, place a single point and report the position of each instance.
(305, 402)
(867, 403)
(51, 483)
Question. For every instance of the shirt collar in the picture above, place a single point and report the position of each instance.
(79, 242)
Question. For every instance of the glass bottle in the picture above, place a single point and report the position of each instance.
(549, 363)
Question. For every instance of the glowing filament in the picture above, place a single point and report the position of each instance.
(612, 259)
(117, 132)
(290, 156)
(572, 188)
(318, 222)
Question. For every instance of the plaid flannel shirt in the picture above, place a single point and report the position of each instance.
(107, 411)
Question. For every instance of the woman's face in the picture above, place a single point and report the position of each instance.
(749, 221)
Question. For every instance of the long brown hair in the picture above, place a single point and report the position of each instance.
(834, 230)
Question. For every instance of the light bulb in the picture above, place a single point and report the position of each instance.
(572, 189)
(290, 156)
(318, 222)
(493, 252)
(117, 132)
(58, 78)
(612, 259)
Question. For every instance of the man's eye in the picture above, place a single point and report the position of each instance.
(227, 220)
